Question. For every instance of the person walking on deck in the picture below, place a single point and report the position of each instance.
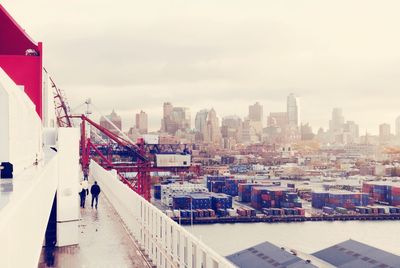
(82, 195)
(95, 191)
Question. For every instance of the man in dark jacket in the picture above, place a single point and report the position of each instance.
(82, 195)
(95, 191)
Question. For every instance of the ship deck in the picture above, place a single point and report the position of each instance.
(104, 241)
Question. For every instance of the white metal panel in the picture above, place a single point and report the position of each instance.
(20, 126)
(173, 160)
(68, 182)
(24, 220)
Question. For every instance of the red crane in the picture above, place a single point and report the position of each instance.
(142, 165)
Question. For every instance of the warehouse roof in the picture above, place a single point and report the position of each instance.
(353, 254)
(267, 255)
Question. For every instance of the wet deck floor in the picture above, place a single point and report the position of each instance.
(104, 242)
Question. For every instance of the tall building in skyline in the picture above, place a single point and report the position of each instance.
(337, 121)
(256, 112)
(213, 134)
(231, 130)
(175, 118)
(256, 117)
(397, 126)
(115, 119)
(351, 131)
(384, 132)
(293, 110)
(200, 124)
(141, 122)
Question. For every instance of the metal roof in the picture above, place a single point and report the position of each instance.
(353, 254)
(267, 255)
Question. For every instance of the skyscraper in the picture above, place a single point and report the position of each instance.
(293, 112)
(256, 112)
(142, 122)
(231, 129)
(213, 130)
(256, 118)
(384, 132)
(175, 118)
(115, 120)
(352, 132)
(397, 126)
(200, 121)
(337, 121)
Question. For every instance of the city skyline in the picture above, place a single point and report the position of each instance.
(128, 119)
(227, 53)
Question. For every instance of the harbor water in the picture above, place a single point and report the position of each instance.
(307, 237)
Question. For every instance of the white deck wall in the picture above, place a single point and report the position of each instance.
(165, 242)
(20, 126)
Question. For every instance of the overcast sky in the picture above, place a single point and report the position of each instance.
(132, 55)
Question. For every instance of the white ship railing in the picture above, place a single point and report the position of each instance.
(166, 243)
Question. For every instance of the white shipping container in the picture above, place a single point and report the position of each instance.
(177, 213)
(151, 139)
(169, 213)
(173, 160)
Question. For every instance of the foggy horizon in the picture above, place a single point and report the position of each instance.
(225, 55)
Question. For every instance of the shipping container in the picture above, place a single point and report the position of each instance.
(173, 160)
(181, 202)
(221, 212)
(169, 213)
(272, 197)
(348, 200)
(221, 201)
(200, 201)
(341, 210)
(157, 191)
(328, 210)
(232, 186)
(216, 183)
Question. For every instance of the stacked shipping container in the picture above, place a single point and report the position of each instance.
(221, 201)
(383, 192)
(244, 191)
(216, 183)
(157, 191)
(273, 197)
(231, 186)
(339, 199)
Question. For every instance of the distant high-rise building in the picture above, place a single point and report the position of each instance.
(384, 132)
(337, 121)
(213, 134)
(115, 120)
(293, 112)
(256, 112)
(398, 126)
(175, 118)
(249, 135)
(167, 109)
(142, 122)
(256, 117)
(351, 131)
(200, 122)
(336, 127)
(231, 129)
(279, 119)
(306, 132)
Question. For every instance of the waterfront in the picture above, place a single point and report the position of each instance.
(307, 237)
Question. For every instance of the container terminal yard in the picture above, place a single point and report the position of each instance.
(225, 199)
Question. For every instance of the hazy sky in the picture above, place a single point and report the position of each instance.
(225, 54)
